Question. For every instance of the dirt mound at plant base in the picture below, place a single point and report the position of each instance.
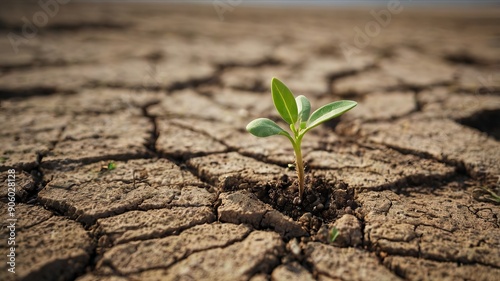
(326, 199)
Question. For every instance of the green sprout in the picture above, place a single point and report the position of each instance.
(486, 194)
(334, 233)
(295, 112)
(489, 192)
(494, 197)
(111, 166)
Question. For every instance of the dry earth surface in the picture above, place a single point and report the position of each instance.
(165, 92)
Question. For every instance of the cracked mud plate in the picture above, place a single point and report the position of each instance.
(125, 127)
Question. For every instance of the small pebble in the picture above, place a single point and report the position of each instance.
(316, 223)
(281, 201)
(294, 247)
(297, 201)
(284, 178)
(319, 207)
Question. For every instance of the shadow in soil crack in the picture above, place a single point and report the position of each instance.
(485, 121)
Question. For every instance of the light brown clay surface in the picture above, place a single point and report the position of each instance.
(125, 125)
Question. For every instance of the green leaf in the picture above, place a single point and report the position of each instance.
(304, 108)
(492, 195)
(329, 111)
(263, 127)
(284, 101)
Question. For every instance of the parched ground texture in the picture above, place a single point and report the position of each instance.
(165, 92)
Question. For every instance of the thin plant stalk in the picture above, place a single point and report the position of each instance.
(299, 166)
(299, 162)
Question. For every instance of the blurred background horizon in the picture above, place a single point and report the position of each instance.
(297, 3)
(304, 3)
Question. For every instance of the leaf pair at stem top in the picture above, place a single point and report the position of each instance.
(296, 112)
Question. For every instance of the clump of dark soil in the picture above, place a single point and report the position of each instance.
(325, 199)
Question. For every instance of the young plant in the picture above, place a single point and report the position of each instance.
(295, 112)
(490, 195)
(334, 233)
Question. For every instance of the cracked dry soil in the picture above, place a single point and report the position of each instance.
(165, 93)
